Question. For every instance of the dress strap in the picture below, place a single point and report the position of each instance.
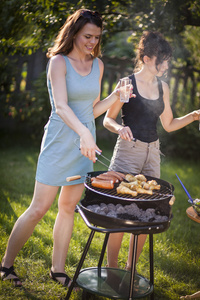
(160, 88)
(68, 64)
(132, 77)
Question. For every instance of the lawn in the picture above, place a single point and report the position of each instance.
(176, 251)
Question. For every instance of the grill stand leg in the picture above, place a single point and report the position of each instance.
(80, 264)
(103, 250)
(151, 263)
(133, 265)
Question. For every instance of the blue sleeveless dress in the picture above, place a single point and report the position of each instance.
(60, 156)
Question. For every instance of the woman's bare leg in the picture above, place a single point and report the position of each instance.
(113, 247)
(140, 245)
(69, 197)
(43, 198)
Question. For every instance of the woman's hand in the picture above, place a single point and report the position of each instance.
(125, 133)
(88, 145)
(196, 115)
(118, 88)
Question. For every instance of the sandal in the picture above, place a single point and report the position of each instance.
(54, 276)
(67, 282)
(7, 272)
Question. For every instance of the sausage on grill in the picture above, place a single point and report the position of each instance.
(103, 184)
(107, 176)
(118, 175)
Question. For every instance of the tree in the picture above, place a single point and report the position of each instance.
(26, 25)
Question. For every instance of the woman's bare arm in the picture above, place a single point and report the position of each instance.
(170, 123)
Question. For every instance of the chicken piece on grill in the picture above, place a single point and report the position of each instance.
(140, 184)
(151, 185)
(131, 185)
(155, 187)
(125, 190)
(152, 182)
(145, 185)
(135, 186)
(140, 177)
(140, 190)
(130, 178)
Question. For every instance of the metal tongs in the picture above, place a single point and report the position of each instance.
(104, 164)
(100, 161)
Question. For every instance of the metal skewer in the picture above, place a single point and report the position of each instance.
(187, 193)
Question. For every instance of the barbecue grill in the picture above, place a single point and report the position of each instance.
(118, 283)
(166, 190)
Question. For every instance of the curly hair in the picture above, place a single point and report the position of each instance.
(64, 41)
(153, 44)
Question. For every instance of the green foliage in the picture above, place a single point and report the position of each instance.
(27, 25)
(191, 40)
(176, 251)
(7, 71)
(30, 110)
(184, 143)
(120, 45)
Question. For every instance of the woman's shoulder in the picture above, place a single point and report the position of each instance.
(165, 85)
(165, 88)
(58, 59)
(57, 62)
(100, 62)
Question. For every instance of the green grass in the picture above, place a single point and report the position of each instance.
(176, 251)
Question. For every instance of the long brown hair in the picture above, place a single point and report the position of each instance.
(153, 44)
(64, 41)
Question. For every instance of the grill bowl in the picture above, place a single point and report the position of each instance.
(110, 222)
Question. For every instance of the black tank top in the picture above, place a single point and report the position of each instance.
(142, 114)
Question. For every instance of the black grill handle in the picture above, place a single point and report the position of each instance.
(135, 229)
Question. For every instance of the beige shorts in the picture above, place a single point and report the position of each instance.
(136, 157)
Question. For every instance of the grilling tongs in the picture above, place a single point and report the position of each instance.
(71, 178)
(100, 154)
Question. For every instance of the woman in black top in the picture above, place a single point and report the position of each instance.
(137, 148)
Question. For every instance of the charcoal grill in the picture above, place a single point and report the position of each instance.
(165, 192)
(118, 283)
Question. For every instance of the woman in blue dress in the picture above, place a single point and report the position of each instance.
(74, 76)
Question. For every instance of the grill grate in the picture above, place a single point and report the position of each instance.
(165, 191)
